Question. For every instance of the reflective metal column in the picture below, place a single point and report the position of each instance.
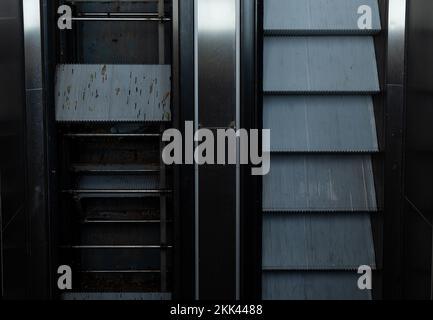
(36, 149)
(217, 105)
(395, 120)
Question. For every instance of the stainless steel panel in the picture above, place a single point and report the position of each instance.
(35, 142)
(418, 215)
(324, 285)
(36, 150)
(216, 49)
(113, 93)
(13, 218)
(216, 94)
(319, 183)
(394, 193)
(311, 241)
(320, 64)
(317, 16)
(32, 43)
(396, 42)
(321, 123)
(107, 1)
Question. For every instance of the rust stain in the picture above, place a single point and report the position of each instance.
(151, 88)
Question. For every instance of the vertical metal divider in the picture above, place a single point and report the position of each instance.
(1, 240)
(162, 174)
(36, 137)
(196, 171)
(395, 88)
(217, 189)
(238, 168)
(184, 180)
(161, 32)
(163, 219)
(251, 63)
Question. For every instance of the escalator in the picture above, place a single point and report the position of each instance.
(112, 102)
(319, 78)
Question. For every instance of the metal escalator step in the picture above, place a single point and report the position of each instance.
(113, 259)
(118, 182)
(324, 183)
(311, 241)
(120, 233)
(115, 168)
(320, 65)
(283, 17)
(313, 285)
(118, 296)
(106, 209)
(320, 123)
(113, 93)
(123, 281)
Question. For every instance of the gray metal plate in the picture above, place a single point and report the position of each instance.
(319, 183)
(317, 16)
(113, 93)
(320, 123)
(309, 285)
(320, 65)
(308, 241)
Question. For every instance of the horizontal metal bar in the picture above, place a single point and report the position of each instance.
(303, 93)
(314, 269)
(120, 19)
(325, 212)
(112, 1)
(119, 271)
(112, 135)
(330, 211)
(319, 32)
(117, 14)
(118, 247)
(116, 191)
(114, 169)
(122, 221)
(327, 152)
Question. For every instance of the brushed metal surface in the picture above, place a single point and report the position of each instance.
(13, 217)
(323, 241)
(318, 76)
(319, 183)
(320, 123)
(320, 64)
(32, 43)
(216, 67)
(313, 285)
(317, 16)
(396, 41)
(36, 149)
